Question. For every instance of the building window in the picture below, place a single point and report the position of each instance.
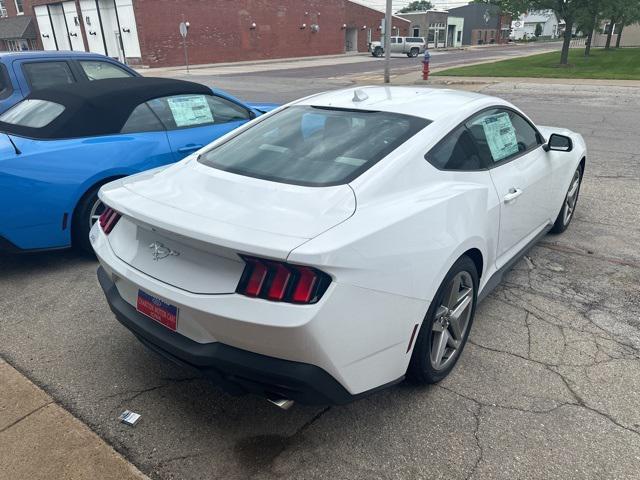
(19, 7)
(3, 10)
(459, 36)
(18, 45)
(416, 31)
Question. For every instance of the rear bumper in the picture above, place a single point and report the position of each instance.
(237, 371)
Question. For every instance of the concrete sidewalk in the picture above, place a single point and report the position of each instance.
(41, 440)
(258, 65)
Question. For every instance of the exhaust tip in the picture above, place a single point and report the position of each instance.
(281, 403)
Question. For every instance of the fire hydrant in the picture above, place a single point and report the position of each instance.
(425, 65)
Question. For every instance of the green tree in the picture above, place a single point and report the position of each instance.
(417, 6)
(538, 31)
(588, 19)
(620, 13)
(567, 10)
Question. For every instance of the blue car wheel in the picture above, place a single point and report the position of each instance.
(87, 212)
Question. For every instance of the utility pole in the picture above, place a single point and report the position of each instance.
(387, 41)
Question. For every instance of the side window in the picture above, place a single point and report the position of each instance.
(502, 134)
(47, 74)
(142, 119)
(184, 111)
(6, 88)
(458, 151)
(525, 133)
(225, 111)
(33, 113)
(98, 70)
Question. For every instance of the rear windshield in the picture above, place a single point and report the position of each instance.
(314, 146)
(32, 113)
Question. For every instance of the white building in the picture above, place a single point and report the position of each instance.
(525, 26)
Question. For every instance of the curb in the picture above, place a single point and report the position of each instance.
(39, 439)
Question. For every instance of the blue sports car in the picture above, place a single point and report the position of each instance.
(58, 146)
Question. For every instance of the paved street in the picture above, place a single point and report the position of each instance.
(279, 82)
(547, 388)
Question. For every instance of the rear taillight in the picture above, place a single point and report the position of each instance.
(108, 219)
(282, 282)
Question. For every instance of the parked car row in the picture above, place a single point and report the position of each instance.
(286, 251)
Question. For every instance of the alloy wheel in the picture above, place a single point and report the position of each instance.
(572, 198)
(451, 321)
(96, 210)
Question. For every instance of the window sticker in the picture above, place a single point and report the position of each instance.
(501, 136)
(190, 110)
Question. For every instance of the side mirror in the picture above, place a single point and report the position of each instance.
(559, 143)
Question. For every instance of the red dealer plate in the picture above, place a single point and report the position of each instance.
(156, 309)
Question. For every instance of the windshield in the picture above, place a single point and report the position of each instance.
(314, 146)
(32, 113)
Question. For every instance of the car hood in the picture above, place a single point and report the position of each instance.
(247, 214)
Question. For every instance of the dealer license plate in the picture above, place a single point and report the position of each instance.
(158, 310)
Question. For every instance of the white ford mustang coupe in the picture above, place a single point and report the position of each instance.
(337, 244)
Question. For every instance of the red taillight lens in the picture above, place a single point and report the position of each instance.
(108, 219)
(282, 282)
(256, 279)
(305, 287)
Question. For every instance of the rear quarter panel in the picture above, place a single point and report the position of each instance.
(48, 179)
(411, 224)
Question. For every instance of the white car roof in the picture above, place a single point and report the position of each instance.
(429, 103)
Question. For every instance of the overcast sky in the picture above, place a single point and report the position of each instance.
(398, 4)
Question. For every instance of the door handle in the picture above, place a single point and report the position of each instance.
(189, 148)
(512, 195)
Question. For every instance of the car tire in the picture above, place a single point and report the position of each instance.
(413, 53)
(378, 52)
(569, 203)
(85, 215)
(442, 336)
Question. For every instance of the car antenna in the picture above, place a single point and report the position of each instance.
(18, 152)
(359, 95)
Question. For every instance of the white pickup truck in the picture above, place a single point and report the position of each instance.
(411, 46)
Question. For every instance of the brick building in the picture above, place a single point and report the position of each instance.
(483, 24)
(430, 24)
(146, 32)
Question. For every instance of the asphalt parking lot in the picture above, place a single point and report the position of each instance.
(548, 387)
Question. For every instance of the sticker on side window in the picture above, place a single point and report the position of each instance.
(501, 136)
(188, 110)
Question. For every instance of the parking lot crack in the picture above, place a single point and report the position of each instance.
(580, 402)
(310, 422)
(476, 436)
(137, 392)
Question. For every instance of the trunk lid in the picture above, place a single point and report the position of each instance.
(208, 217)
